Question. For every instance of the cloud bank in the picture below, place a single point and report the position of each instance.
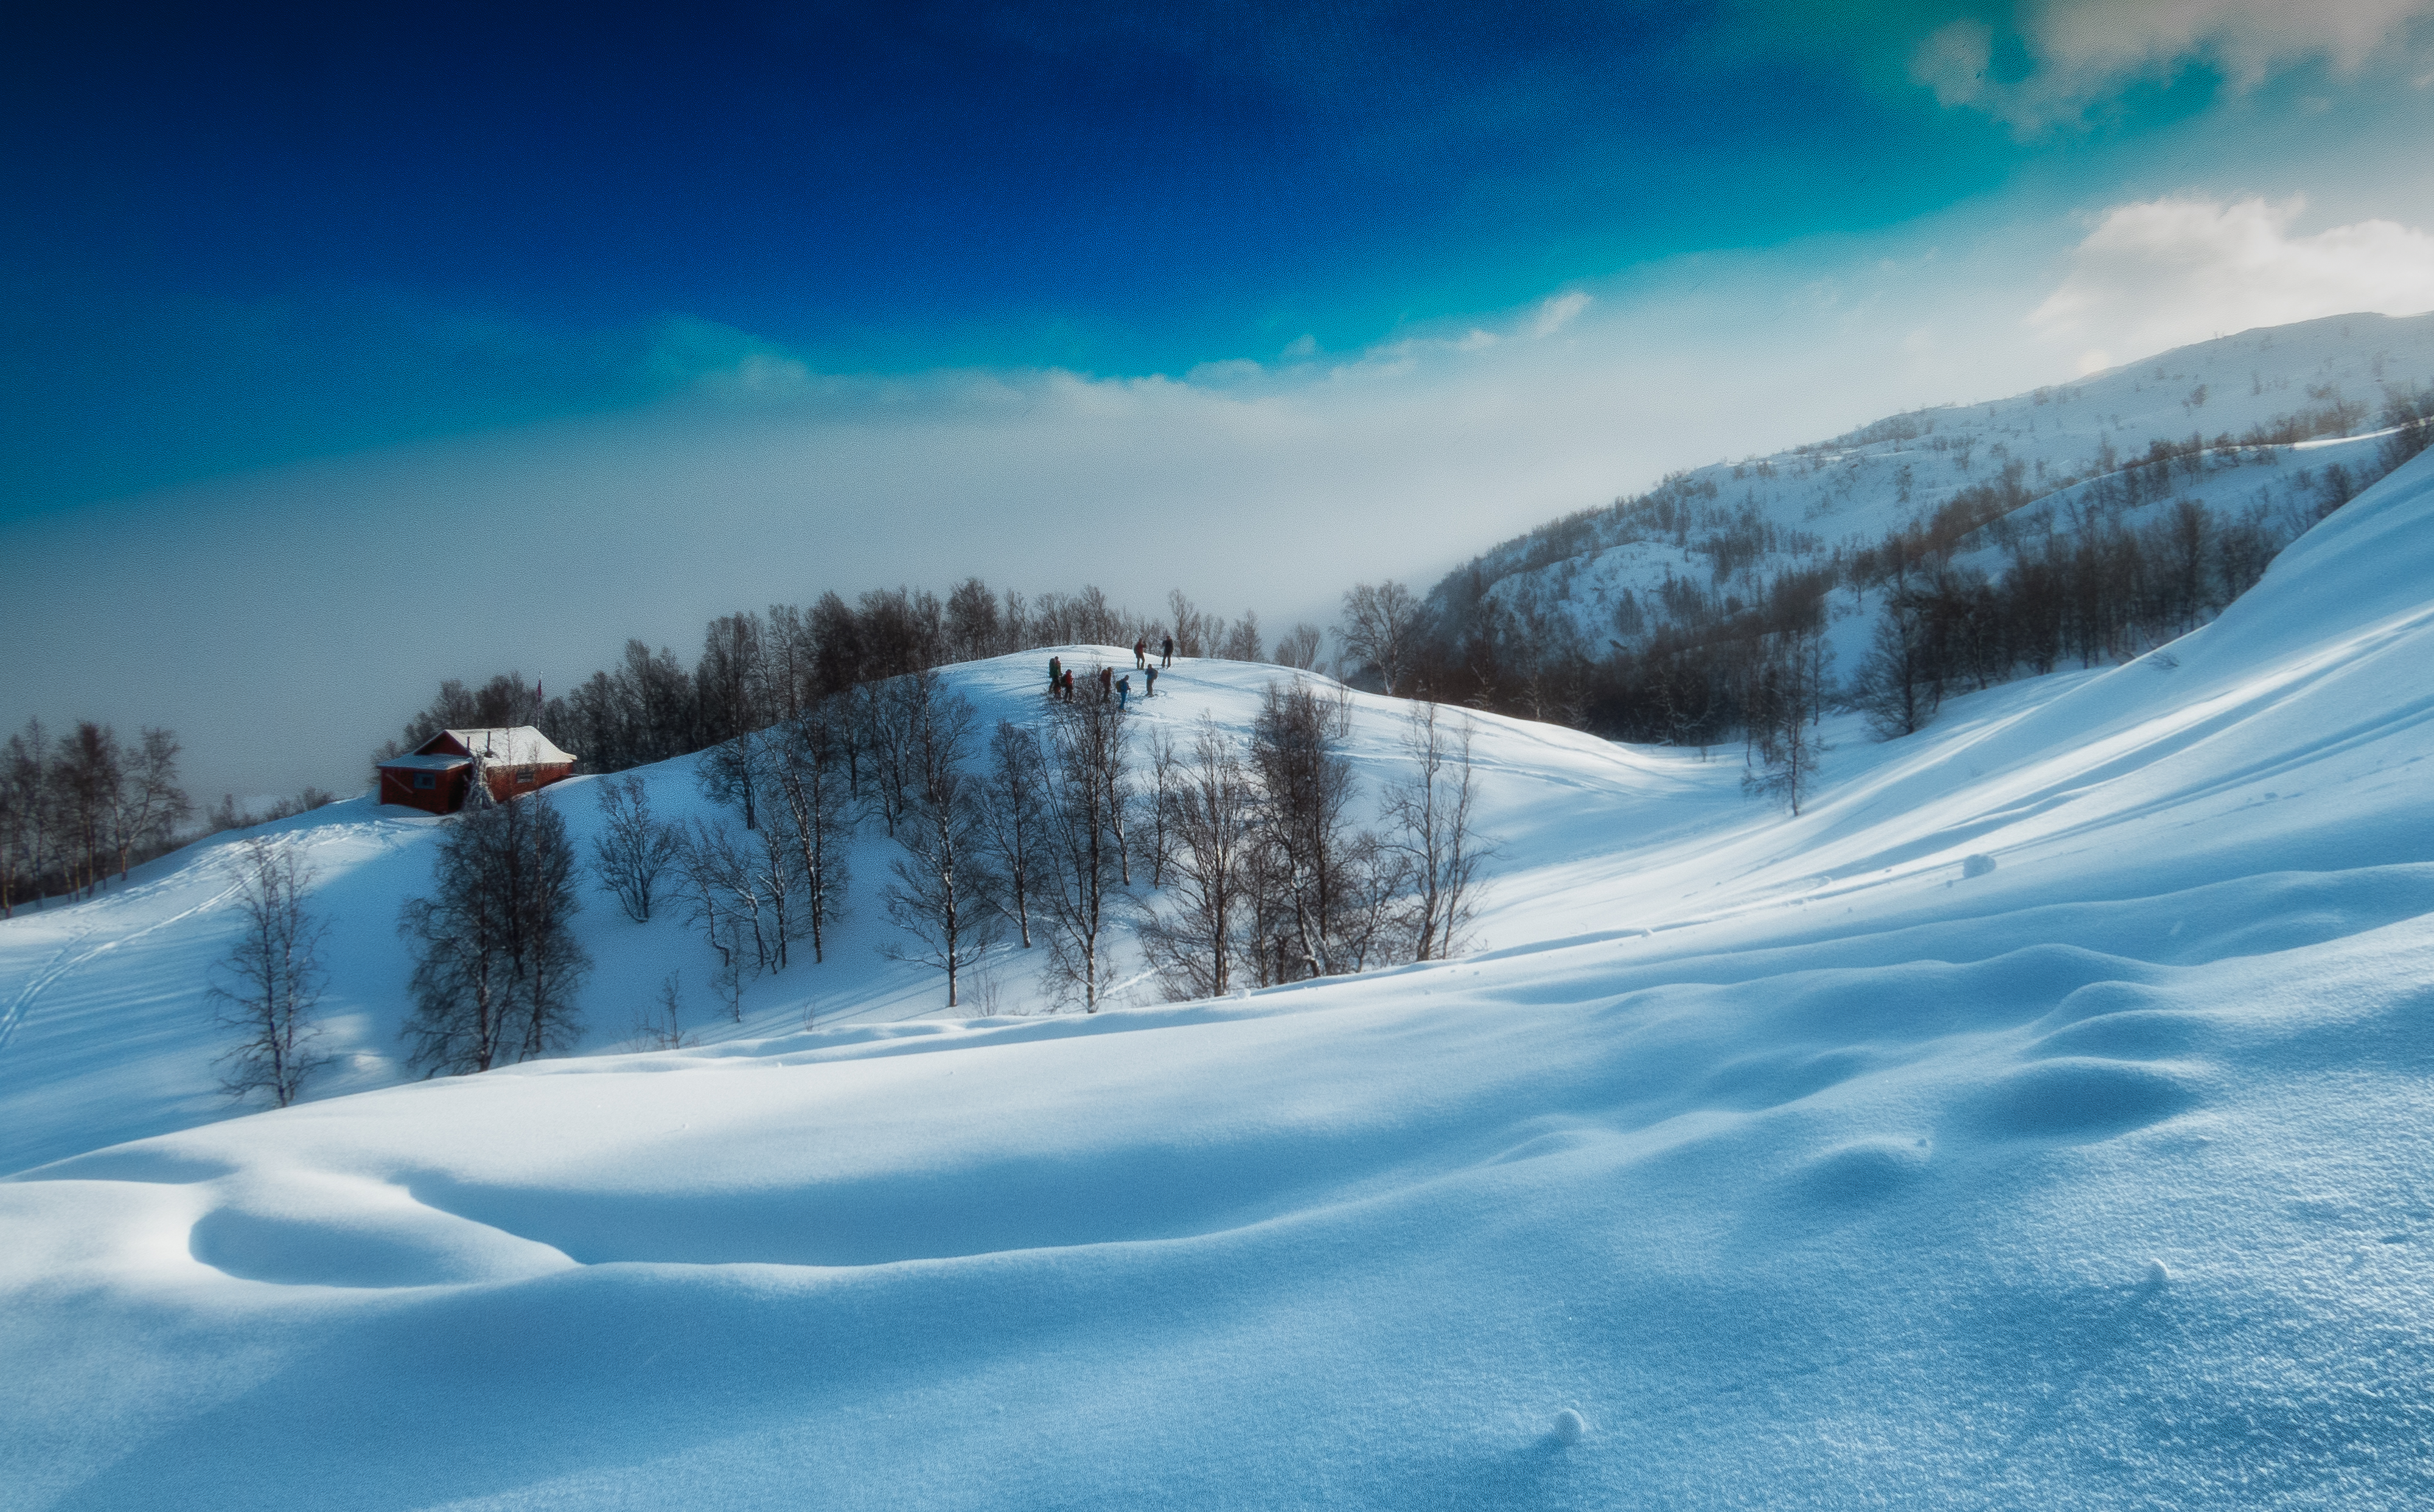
(325, 601)
(2165, 272)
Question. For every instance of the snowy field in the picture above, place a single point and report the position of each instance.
(2039, 1120)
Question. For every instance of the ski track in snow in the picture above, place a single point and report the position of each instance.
(1752, 1161)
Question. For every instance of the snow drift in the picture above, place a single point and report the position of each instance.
(2039, 1119)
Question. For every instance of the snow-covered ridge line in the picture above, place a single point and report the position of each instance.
(1580, 573)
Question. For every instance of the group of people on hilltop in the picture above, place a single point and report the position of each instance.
(1060, 678)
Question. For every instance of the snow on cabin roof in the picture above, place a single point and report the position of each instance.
(425, 763)
(521, 746)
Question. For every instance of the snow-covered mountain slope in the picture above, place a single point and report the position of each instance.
(1723, 532)
(2039, 1119)
(105, 1026)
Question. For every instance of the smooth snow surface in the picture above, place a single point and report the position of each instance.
(1758, 1161)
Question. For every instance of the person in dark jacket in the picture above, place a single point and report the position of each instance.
(1166, 652)
(1151, 691)
(1123, 692)
(1140, 653)
(1106, 683)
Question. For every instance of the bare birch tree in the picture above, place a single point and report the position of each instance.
(26, 806)
(1380, 629)
(1013, 823)
(631, 852)
(497, 967)
(941, 897)
(1158, 836)
(1324, 882)
(148, 806)
(1212, 811)
(1299, 648)
(1086, 755)
(805, 763)
(267, 989)
(728, 774)
(1431, 812)
(724, 902)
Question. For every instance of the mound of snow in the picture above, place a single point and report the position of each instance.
(1806, 1173)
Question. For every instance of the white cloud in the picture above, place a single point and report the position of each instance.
(2083, 51)
(1953, 62)
(2165, 272)
(1557, 312)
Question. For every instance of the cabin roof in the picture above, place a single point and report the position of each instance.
(420, 762)
(516, 746)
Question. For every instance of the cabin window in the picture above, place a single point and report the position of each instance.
(422, 780)
(524, 776)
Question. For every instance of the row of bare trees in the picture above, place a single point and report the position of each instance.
(1234, 861)
(1267, 879)
(2095, 565)
(760, 669)
(80, 806)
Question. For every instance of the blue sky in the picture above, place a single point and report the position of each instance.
(1169, 280)
(240, 237)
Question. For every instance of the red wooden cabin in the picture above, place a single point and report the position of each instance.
(436, 776)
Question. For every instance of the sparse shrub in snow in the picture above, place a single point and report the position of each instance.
(661, 1024)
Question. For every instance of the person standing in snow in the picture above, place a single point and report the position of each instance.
(1106, 683)
(1055, 677)
(1151, 691)
(1069, 685)
(1166, 652)
(1123, 692)
(1140, 653)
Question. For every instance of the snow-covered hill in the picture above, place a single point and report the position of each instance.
(1716, 537)
(2039, 1119)
(105, 1030)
